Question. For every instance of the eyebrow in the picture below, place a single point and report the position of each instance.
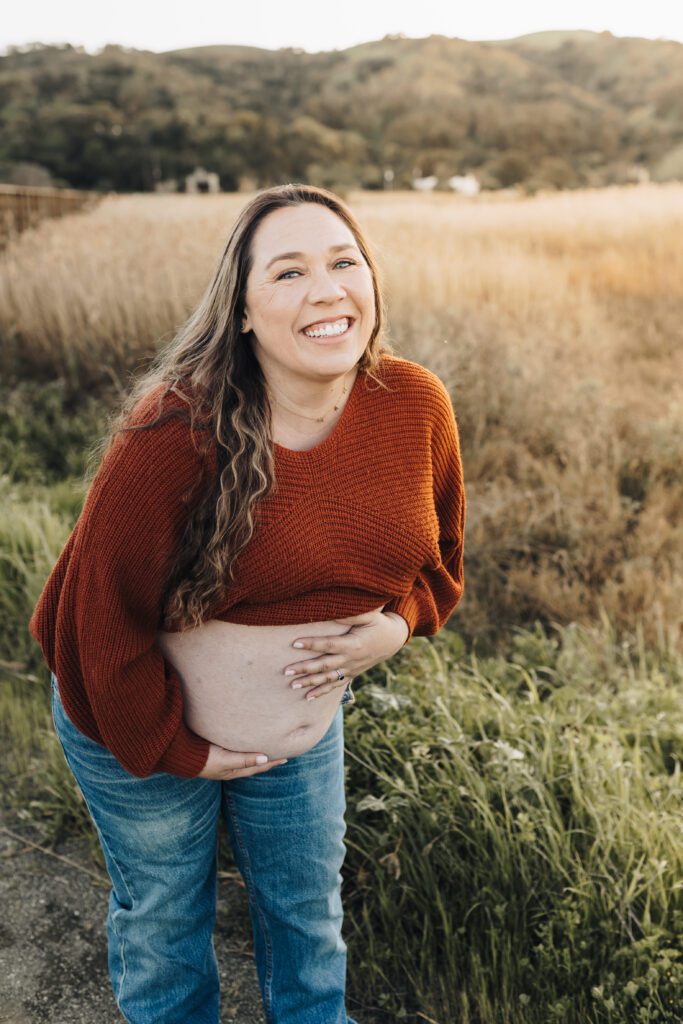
(294, 255)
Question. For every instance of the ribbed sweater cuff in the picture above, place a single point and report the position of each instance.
(186, 754)
(408, 607)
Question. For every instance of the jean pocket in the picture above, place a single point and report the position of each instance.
(348, 697)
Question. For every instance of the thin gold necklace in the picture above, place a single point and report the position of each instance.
(314, 419)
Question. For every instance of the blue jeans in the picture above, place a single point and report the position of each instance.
(158, 838)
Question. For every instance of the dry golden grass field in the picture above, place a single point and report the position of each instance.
(514, 794)
(555, 321)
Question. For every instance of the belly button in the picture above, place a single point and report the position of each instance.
(300, 728)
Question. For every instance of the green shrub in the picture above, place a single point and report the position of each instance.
(45, 432)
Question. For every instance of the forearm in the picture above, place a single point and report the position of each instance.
(402, 625)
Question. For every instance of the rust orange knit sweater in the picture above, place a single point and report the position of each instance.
(374, 514)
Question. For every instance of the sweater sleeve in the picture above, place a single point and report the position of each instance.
(133, 518)
(438, 589)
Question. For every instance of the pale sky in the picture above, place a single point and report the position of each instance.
(311, 26)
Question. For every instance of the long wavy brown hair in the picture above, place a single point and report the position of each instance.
(211, 366)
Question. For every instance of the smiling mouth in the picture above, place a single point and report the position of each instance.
(329, 329)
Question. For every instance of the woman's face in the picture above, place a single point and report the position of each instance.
(328, 279)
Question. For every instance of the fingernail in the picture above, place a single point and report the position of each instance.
(312, 697)
(297, 643)
(297, 686)
(284, 760)
(289, 671)
(261, 759)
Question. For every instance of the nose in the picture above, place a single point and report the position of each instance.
(324, 287)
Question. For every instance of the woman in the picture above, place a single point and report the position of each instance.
(258, 491)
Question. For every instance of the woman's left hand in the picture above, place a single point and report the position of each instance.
(374, 636)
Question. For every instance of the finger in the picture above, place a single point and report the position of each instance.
(328, 684)
(326, 688)
(292, 671)
(317, 671)
(218, 769)
(317, 643)
(235, 759)
(307, 681)
(243, 773)
(303, 641)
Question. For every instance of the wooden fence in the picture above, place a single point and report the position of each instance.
(24, 206)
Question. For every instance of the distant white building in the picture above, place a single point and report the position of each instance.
(202, 180)
(465, 184)
(425, 184)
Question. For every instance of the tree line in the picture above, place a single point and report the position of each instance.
(552, 110)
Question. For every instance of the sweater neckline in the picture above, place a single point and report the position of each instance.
(296, 455)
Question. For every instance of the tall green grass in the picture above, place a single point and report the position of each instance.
(35, 522)
(515, 844)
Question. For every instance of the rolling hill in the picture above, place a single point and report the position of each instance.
(549, 109)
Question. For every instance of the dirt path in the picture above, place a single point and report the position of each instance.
(53, 957)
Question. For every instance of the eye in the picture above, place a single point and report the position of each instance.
(283, 275)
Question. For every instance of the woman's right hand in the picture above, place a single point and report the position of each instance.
(234, 764)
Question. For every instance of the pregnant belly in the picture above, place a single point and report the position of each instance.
(234, 689)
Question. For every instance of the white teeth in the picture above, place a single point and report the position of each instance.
(325, 330)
